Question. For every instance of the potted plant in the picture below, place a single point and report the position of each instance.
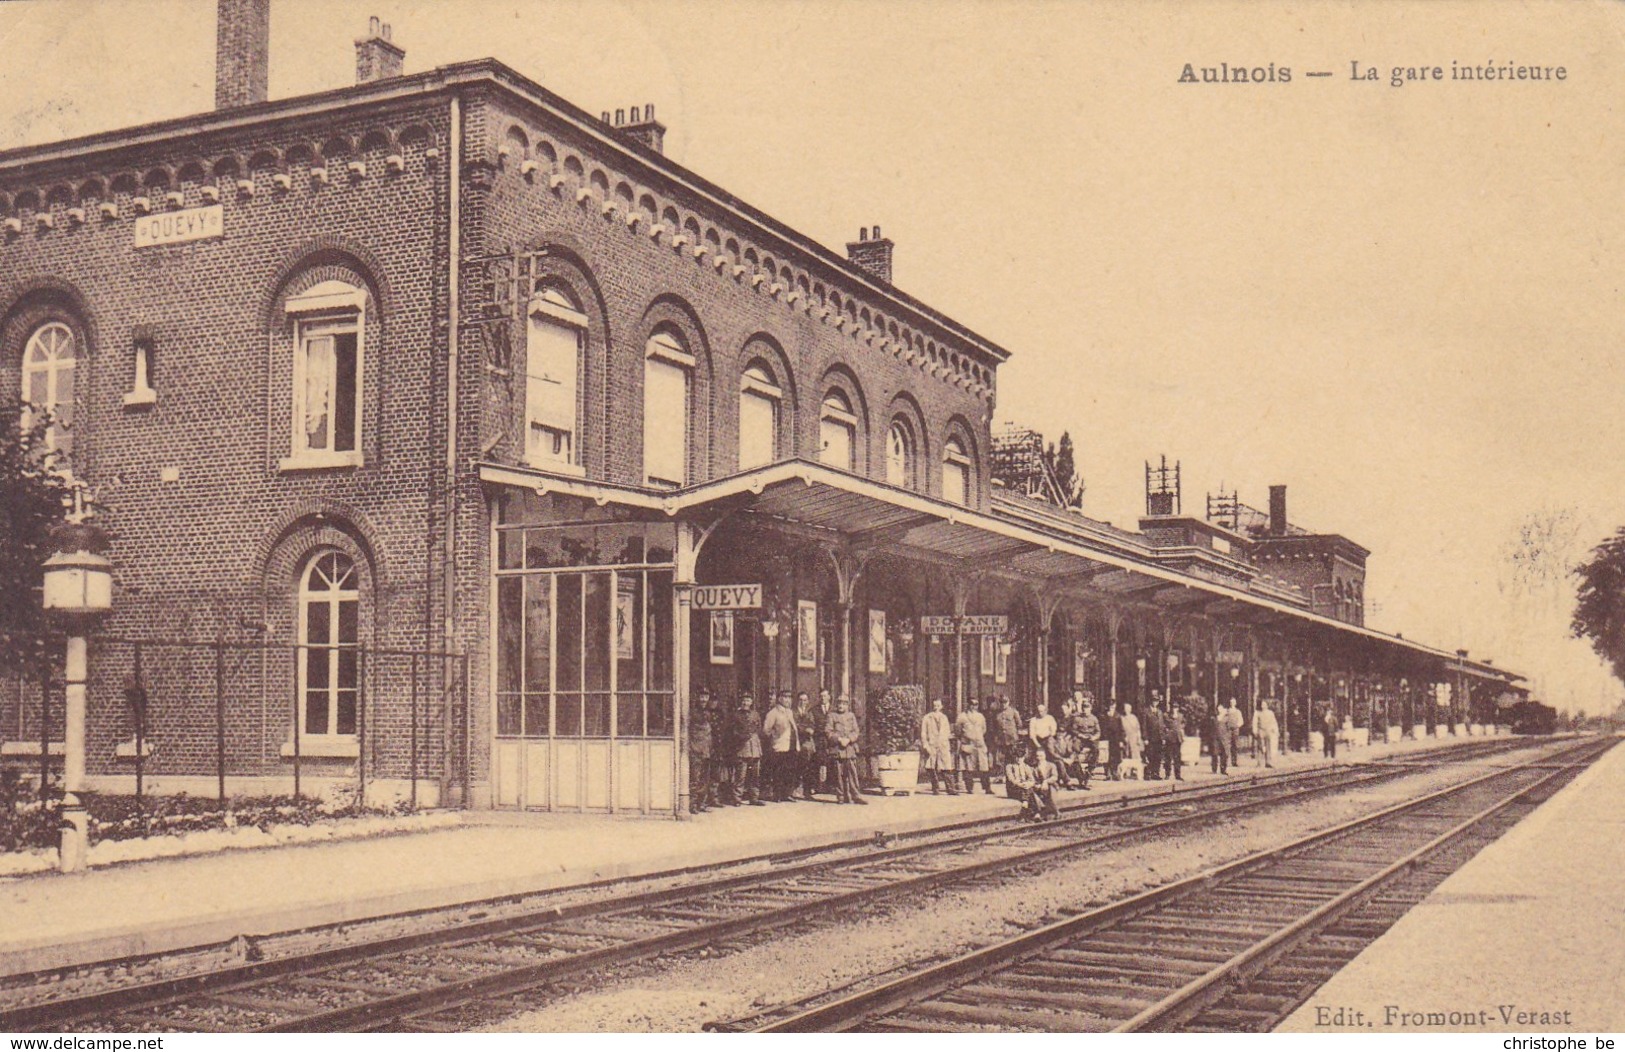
(895, 736)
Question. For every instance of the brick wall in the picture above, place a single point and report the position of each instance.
(215, 552)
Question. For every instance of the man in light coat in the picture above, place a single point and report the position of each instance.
(1265, 732)
(779, 753)
(936, 747)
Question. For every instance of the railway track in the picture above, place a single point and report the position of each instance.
(445, 979)
(1236, 948)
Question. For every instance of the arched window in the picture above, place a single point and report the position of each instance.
(667, 368)
(327, 374)
(48, 361)
(837, 432)
(329, 639)
(759, 400)
(552, 370)
(955, 473)
(899, 455)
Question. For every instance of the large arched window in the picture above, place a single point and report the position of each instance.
(667, 369)
(955, 473)
(900, 455)
(837, 432)
(329, 638)
(760, 397)
(552, 370)
(48, 361)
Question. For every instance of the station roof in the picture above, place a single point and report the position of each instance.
(862, 514)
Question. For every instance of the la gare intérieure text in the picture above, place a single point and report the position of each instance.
(1397, 76)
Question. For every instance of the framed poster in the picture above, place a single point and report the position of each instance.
(722, 637)
(1080, 661)
(989, 645)
(626, 647)
(1001, 663)
(1176, 668)
(806, 634)
(877, 641)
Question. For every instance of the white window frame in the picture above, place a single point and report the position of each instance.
(956, 460)
(903, 477)
(333, 598)
(836, 413)
(552, 303)
(53, 368)
(664, 350)
(758, 384)
(329, 307)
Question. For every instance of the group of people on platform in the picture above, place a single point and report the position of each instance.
(800, 747)
(740, 756)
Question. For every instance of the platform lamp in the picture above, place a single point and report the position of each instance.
(770, 632)
(78, 591)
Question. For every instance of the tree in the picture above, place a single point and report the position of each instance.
(1061, 462)
(32, 502)
(1599, 613)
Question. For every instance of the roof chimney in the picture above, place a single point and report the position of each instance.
(376, 55)
(639, 125)
(242, 47)
(1277, 511)
(872, 254)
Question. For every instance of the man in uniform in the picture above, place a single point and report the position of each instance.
(843, 733)
(747, 757)
(1086, 739)
(1173, 742)
(1008, 723)
(1151, 728)
(701, 785)
(970, 730)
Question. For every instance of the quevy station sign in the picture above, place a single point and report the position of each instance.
(726, 597)
(187, 224)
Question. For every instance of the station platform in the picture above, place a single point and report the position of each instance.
(51, 920)
(1525, 937)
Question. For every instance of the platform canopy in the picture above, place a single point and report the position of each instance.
(862, 515)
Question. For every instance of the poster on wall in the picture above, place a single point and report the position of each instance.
(1176, 668)
(989, 645)
(1001, 663)
(1080, 661)
(722, 637)
(626, 619)
(806, 634)
(877, 641)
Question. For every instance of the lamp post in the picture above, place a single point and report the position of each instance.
(78, 590)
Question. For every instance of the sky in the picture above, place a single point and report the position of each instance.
(1404, 302)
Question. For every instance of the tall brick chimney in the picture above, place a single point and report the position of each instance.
(1278, 511)
(242, 52)
(871, 253)
(639, 125)
(377, 56)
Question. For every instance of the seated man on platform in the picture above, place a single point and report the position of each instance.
(1043, 791)
(1063, 752)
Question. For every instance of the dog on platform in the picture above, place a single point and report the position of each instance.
(1131, 770)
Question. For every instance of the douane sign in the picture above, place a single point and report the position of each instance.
(189, 224)
(970, 624)
(727, 596)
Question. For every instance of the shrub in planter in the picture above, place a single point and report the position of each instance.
(27, 820)
(895, 719)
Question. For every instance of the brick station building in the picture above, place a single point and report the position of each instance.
(431, 417)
